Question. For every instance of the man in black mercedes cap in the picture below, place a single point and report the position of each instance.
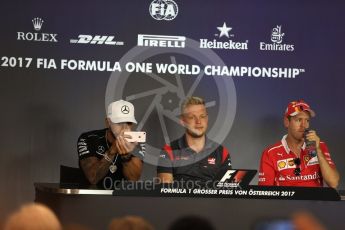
(107, 154)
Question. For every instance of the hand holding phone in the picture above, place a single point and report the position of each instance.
(136, 136)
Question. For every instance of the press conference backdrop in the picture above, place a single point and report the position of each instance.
(62, 62)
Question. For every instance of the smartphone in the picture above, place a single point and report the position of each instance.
(137, 136)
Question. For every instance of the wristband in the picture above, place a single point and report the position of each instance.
(126, 158)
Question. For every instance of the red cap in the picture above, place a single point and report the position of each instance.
(295, 107)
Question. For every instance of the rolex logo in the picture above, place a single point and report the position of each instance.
(37, 22)
(37, 37)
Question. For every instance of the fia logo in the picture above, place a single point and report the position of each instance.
(277, 35)
(163, 10)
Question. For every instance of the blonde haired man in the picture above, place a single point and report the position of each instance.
(193, 157)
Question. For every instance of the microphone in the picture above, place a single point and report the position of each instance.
(310, 146)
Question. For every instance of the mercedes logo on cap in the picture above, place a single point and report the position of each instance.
(125, 109)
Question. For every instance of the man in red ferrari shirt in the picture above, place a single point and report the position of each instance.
(289, 162)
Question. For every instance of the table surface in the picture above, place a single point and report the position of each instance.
(94, 207)
(75, 189)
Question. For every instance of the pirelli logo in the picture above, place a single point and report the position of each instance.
(161, 41)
